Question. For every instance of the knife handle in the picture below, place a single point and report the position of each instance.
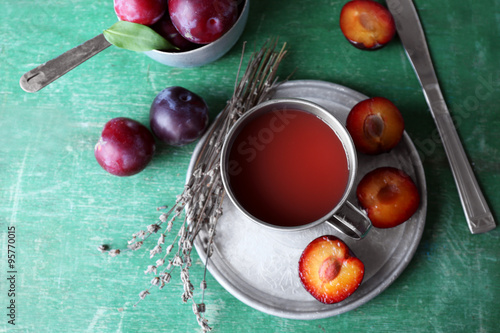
(46, 73)
(477, 212)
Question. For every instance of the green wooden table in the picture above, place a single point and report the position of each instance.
(62, 205)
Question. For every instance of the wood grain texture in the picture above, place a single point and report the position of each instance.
(63, 204)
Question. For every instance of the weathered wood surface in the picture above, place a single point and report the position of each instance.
(62, 204)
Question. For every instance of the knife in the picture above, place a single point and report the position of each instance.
(477, 212)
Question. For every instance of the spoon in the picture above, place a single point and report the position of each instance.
(41, 76)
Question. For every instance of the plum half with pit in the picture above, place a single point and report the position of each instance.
(178, 116)
(389, 196)
(367, 24)
(125, 147)
(145, 12)
(329, 270)
(203, 21)
(376, 125)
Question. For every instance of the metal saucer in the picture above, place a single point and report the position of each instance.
(259, 266)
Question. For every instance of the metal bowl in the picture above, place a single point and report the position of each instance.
(207, 53)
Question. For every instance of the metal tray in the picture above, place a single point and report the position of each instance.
(259, 266)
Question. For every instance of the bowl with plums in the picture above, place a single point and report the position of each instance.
(201, 31)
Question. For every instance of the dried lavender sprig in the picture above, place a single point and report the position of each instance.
(254, 86)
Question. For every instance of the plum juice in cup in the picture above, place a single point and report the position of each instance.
(290, 165)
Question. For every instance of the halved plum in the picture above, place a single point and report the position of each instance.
(375, 125)
(329, 271)
(367, 24)
(389, 196)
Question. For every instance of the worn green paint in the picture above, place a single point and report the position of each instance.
(63, 204)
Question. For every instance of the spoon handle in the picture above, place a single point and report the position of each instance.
(46, 73)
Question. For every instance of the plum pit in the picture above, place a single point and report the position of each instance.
(329, 269)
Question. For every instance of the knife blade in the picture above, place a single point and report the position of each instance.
(409, 28)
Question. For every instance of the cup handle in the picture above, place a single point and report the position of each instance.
(350, 221)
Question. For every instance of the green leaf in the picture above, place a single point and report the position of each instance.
(136, 37)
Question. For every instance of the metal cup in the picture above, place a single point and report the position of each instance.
(344, 217)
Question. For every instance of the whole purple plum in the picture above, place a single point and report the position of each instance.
(167, 30)
(203, 21)
(125, 147)
(144, 12)
(178, 116)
